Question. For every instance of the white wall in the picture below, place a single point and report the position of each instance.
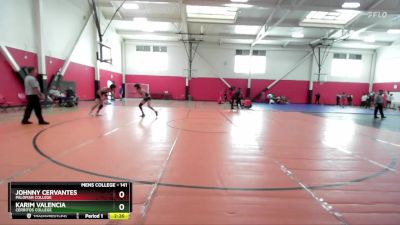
(17, 24)
(62, 23)
(84, 52)
(219, 60)
(114, 41)
(63, 20)
(214, 60)
(177, 59)
(387, 64)
(366, 66)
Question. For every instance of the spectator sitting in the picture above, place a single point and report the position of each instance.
(71, 98)
(56, 94)
(280, 100)
(271, 99)
(263, 97)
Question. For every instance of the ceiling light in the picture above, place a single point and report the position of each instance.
(316, 15)
(149, 29)
(153, 37)
(244, 29)
(211, 14)
(242, 1)
(140, 19)
(150, 2)
(336, 19)
(297, 35)
(369, 39)
(237, 5)
(351, 5)
(130, 6)
(354, 34)
(142, 24)
(393, 31)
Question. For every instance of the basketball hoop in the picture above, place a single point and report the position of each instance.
(104, 53)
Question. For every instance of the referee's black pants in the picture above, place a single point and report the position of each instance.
(33, 104)
(379, 106)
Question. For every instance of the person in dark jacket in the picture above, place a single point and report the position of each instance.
(236, 101)
(317, 97)
(379, 105)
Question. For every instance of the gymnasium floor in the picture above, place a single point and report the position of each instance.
(201, 163)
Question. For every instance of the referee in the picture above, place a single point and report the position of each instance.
(379, 105)
(33, 96)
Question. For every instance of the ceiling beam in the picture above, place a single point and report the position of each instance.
(267, 27)
(282, 39)
(184, 28)
(346, 35)
(373, 25)
(264, 27)
(269, 5)
(154, 19)
(374, 5)
(285, 24)
(377, 43)
(286, 44)
(395, 43)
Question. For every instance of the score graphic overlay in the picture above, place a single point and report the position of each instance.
(70, 200)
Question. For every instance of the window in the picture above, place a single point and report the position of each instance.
(339, 56)
(346, 65)
(142, 48)
(259, 52)
(159, 48)
(244, 63)
(355, 56)
(242, 52)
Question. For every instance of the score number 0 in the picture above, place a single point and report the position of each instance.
(121, 194)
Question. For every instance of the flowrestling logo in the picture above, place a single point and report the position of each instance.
(377, 14)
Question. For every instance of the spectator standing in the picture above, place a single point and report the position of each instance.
(338, 99)
(343, 99)
(236, 101)
(350, 99)
(317, 97)
(364, 99)
(121, 92)
(371, 99)
(389, 100)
